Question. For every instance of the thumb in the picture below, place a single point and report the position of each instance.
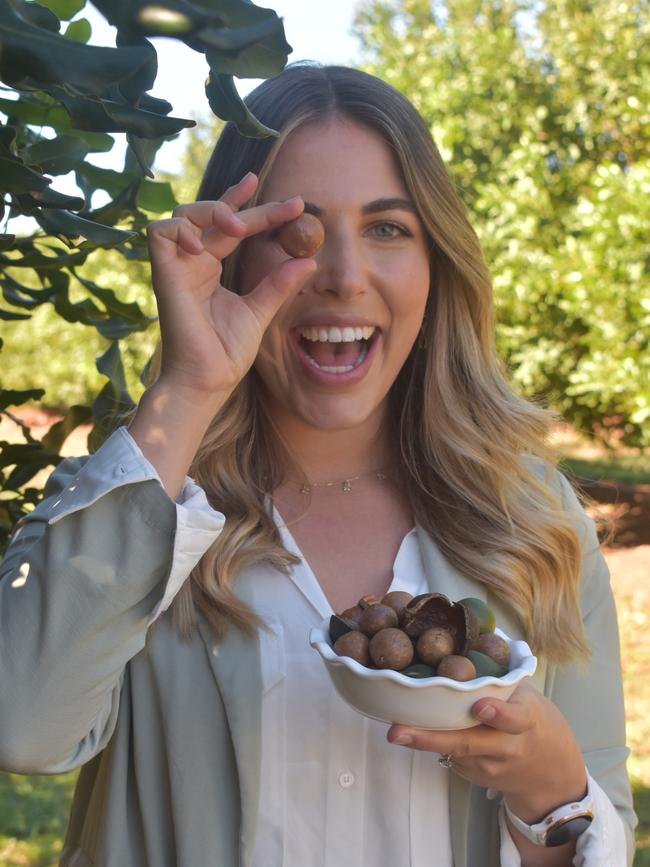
(282, 283)
(514, 716)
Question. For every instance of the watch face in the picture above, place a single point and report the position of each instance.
(568, 830)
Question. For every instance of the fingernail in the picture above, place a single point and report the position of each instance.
(403, 740)
(487, 712)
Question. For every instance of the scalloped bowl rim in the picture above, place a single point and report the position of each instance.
(319, 639)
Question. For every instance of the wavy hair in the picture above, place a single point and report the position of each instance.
(471, 449)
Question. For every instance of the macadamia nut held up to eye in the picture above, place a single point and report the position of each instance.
(302, 237)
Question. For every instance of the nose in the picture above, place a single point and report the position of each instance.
(342, 268)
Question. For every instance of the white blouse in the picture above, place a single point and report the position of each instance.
(335, 791)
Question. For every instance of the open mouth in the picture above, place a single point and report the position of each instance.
(336, 350)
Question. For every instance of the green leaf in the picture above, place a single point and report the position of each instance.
(114, 398)
(29, 461)
(61, 430)
(73, 226)
(35, 112)
(57, 156)
(115, 328)
(15, 397)
(10, 316)
(64, 9)
(126, 310)
(27, 51)
(41, 262)
(82, 311)
(79, 30)
(156, 196)
(91, 177)
(50, 198)
(110, 364)
(138, 149)
(227, 104)
(38, 14)
(259, 51)
(104, 115)
(98, 142)
(23, 296)
(17, 178)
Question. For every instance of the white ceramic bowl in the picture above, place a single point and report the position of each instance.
(430, 703)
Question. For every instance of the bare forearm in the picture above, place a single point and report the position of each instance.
(168, 427)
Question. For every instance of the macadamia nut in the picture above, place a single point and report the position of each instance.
(302, 237)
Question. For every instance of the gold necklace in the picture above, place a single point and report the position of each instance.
(345, 484)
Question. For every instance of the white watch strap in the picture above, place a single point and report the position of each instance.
(537, 833)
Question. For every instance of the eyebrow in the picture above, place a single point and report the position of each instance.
(374, 207)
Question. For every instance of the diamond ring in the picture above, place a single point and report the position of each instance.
(446, 760)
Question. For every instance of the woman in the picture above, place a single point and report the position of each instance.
(348, 417)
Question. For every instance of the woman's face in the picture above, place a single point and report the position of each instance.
(332, 353)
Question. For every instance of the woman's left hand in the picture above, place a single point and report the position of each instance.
(524, 748)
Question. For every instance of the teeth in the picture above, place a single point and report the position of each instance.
(337, 335)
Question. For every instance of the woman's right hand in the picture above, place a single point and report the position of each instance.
(210, 335)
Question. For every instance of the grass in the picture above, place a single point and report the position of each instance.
(33, 815)
(630, 469)
(586, 458)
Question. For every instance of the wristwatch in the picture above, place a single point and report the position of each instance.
(563, 824)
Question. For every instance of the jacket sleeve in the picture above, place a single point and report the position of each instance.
(83, 578)
(591, 695)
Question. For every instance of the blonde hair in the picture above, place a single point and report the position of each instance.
(466, 440)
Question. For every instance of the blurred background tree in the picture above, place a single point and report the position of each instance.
(542, 112)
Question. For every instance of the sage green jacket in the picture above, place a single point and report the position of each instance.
(168, 732)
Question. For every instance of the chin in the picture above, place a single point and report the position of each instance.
(338, 415)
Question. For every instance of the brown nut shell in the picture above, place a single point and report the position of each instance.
(302, 237)
(397, 600)
(377, 617)
(436, 610)
(456, 667)
(355, 645)
(494, 646)
(352, 615)
(391, 648)
(434, 644)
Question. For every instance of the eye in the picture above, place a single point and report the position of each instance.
(387, 230)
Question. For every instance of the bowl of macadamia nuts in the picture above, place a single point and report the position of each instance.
(421, 660)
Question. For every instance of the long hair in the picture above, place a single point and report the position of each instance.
(471, 449)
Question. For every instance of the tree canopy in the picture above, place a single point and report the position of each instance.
(542, 112)
(62, 101)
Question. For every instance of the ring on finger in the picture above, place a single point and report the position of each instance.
(446, 760)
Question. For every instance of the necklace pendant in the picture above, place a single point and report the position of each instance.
(305, 489)
(346, 485)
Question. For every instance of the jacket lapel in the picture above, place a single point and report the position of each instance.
(236, 665)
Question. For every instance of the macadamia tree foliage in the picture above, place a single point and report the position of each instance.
(542, 111)
(62, 101)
